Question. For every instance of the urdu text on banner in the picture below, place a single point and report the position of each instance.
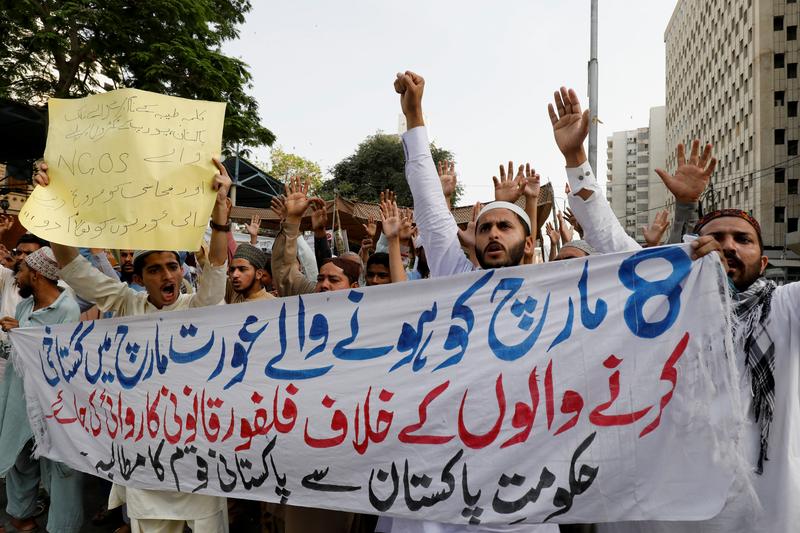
(581, 391)
(129, 169)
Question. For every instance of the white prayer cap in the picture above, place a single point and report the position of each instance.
(511, 207)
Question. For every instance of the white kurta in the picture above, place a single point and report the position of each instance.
(114, 295)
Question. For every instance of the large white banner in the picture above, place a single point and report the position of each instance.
(588, 390)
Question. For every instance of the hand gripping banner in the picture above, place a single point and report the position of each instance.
(588, 390)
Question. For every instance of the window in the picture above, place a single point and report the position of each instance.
(780, 214)
(792, 148)
(780, 136)
(777, 23)
(780, 174)
(792, 225)
(791, 33)
(792, 109)
(791, 71)
(778, 60)
(779, 98)
(792, 187)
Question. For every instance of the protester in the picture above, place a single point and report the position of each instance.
(160, 273)
(44, 303)
(765, 333)
(246, 273)
(654, 233)
(392, 223)
(336, 273)
(503, 235)
(574, 249)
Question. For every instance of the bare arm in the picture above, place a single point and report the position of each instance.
(391, 222)
(218, 249)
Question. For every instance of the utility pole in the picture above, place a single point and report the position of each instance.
(593, 91)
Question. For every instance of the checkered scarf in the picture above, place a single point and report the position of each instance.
(752, 308)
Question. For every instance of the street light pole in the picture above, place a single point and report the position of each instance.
(593, 90)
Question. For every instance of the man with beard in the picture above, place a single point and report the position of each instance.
(246, 273)
(766, 336)
(44, 303)
(161, 274)
(126, 269)
(502, 238)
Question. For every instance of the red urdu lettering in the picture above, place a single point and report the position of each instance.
(289, 410)
(668, 373)
(524, 414)
(477, 441)
(384, 417)
(598, 417)
(571, 402)
(406, 433)
(548, 394)
(338, 423)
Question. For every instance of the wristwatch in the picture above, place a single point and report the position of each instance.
(220, 227)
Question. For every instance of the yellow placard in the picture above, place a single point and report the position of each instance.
(128, 169)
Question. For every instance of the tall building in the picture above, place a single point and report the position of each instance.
(731, 80)
(633, 189)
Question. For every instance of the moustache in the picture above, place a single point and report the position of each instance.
(733, 260)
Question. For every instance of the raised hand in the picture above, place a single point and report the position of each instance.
(555, 238)
(447, 175)
(570, 125)
(371, 228)
(391, 218)
(253, 226)
(278, 206)
(532, 183)
(319, 216)
(297, 200)
(572, 219)
(655, 231)
(467, 235)
(407, 227)
(564, 229)
(410, 87)
(366, 248)
(509, 188)
(222, 182)
(692, 177)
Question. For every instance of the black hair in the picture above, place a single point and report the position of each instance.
(138, 263)
(30, 238)
(378, 258)
(268, 264)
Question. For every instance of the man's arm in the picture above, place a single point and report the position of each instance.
(601, 228)
(436, 225)
(391, 223)
(319, 220)
(286, 274)
(218, 248)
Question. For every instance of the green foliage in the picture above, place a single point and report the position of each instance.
(71, 48)
(377, 164)
(285, 165)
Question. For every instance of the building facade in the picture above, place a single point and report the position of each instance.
(633, 189)
(731, 80)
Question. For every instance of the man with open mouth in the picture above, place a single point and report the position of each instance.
(160, 273)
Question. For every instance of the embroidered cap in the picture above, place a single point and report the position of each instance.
(737, 213)
(254, 255)
(44, 262)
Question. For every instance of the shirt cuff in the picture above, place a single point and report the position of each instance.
(415, 143)
(73, 266)
(292, 231)
(582, 177)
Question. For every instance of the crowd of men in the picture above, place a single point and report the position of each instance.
(45, 283)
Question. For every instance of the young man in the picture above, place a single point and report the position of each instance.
(44, 303)
(766, 335)
(246, 274)
(502, 238)
(160, 273)
(378, 272)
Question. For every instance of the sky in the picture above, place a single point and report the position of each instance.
(323, 73)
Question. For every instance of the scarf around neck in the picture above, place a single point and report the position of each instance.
(752, 310)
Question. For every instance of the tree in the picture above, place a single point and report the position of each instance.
(72, 48)
(377, 164)
(285, 165)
